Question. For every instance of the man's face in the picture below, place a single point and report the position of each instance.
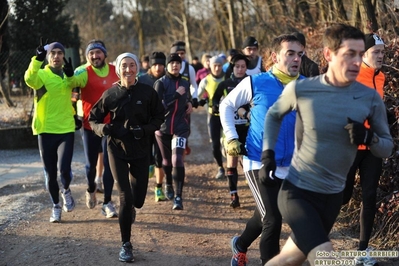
(251, 52)
(145, 65)
(216, 69)
(157, 70)
(182, 54)
(374, 56)
(288, 59)
(96, 58)
(174, 68)
(56, 58)
(344, 64)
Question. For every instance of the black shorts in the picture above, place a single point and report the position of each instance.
(310, 215)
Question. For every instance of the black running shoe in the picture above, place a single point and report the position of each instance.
(178, 204)
(235, 201)
(126, 253)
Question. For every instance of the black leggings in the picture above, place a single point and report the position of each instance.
(131, 179)
(310, 215)
(215, 132)
(56, 151)
(266, 219)
(370, 168)
(172, 148)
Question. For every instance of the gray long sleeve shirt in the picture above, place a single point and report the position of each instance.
(323, 152)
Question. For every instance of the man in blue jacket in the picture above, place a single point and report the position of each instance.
(260, 91)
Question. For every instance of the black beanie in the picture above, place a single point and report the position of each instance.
(250, 41)
(173, 57)
(157, 58)
(372, 39)
(178, 46)
(300, 37)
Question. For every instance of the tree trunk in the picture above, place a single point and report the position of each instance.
(230, 9)
(307, 17)
(139, 29)
(367, 16)
(5, 91)
(340, 10)
(185, 30)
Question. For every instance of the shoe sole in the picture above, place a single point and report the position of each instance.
(107, 216)
(122, 260)
(178, 208)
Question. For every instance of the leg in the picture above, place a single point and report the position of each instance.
(350, 178)
(370, 171)
(48, 154)
(139, 171)
(232, 176)
(108, 180)
(65, 154)
(178, 147)
(91, 145)
(215, 129)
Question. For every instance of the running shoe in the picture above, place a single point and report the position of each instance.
(235, 201)
(108, 210)
(169, 192)
(159, 196)
(178, 204)
(239, 258)
(99, 185)
(56, 214)
(366, 260)
(151, 171)
(126, 253)
(220, 174)
(69, 203)
(91, 200)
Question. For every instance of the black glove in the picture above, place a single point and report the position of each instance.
(195, 103)
(107, 129)
(202, 102)
(358, 133)
(78, 122)
(267, 171)
(138, 132)
(40, 51)
(68, 69)
(215, 109)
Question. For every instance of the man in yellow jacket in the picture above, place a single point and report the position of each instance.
(53, 120)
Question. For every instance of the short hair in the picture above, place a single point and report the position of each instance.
(205, 57)
(276, 43)
(336, 34)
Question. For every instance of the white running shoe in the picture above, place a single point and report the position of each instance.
(56, 214)
(366, 260)
(108, 210)
(69, 203)
(99, 185)
(91, 200)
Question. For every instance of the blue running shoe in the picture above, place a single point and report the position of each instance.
(169, 192)
(126, 253)
(239, 258)
(178, 204)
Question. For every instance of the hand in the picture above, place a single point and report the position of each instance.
(78, 122)
(68, 69)
(358, 133)
(107, 129)
(235, 148)
(267, 171)
(195, 102)
(138, 132)
(41, 50)
(181, 90)
(215, 109)
(189, 108)
(202, 102)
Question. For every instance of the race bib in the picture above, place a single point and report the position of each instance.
(179, 142)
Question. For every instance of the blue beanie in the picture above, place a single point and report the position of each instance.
(96, 45)
(54, 45)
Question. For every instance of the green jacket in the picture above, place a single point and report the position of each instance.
(52, 102)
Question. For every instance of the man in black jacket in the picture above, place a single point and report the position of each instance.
(308, 68)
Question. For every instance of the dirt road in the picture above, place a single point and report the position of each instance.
(198, 235)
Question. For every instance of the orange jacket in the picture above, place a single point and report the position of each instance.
(375, 80)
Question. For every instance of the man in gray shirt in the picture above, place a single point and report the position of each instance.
(331, 110)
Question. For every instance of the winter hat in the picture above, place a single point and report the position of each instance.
(119, 60)
(157, 58)
(250, 41)
(223, 56)
(300, 37)
(373, 39)
(232, 52)
(96, 44)
(174, 57)
(178, 46)
(216, 60)
(54, 45)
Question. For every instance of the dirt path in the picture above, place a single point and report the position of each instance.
(198, 235)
